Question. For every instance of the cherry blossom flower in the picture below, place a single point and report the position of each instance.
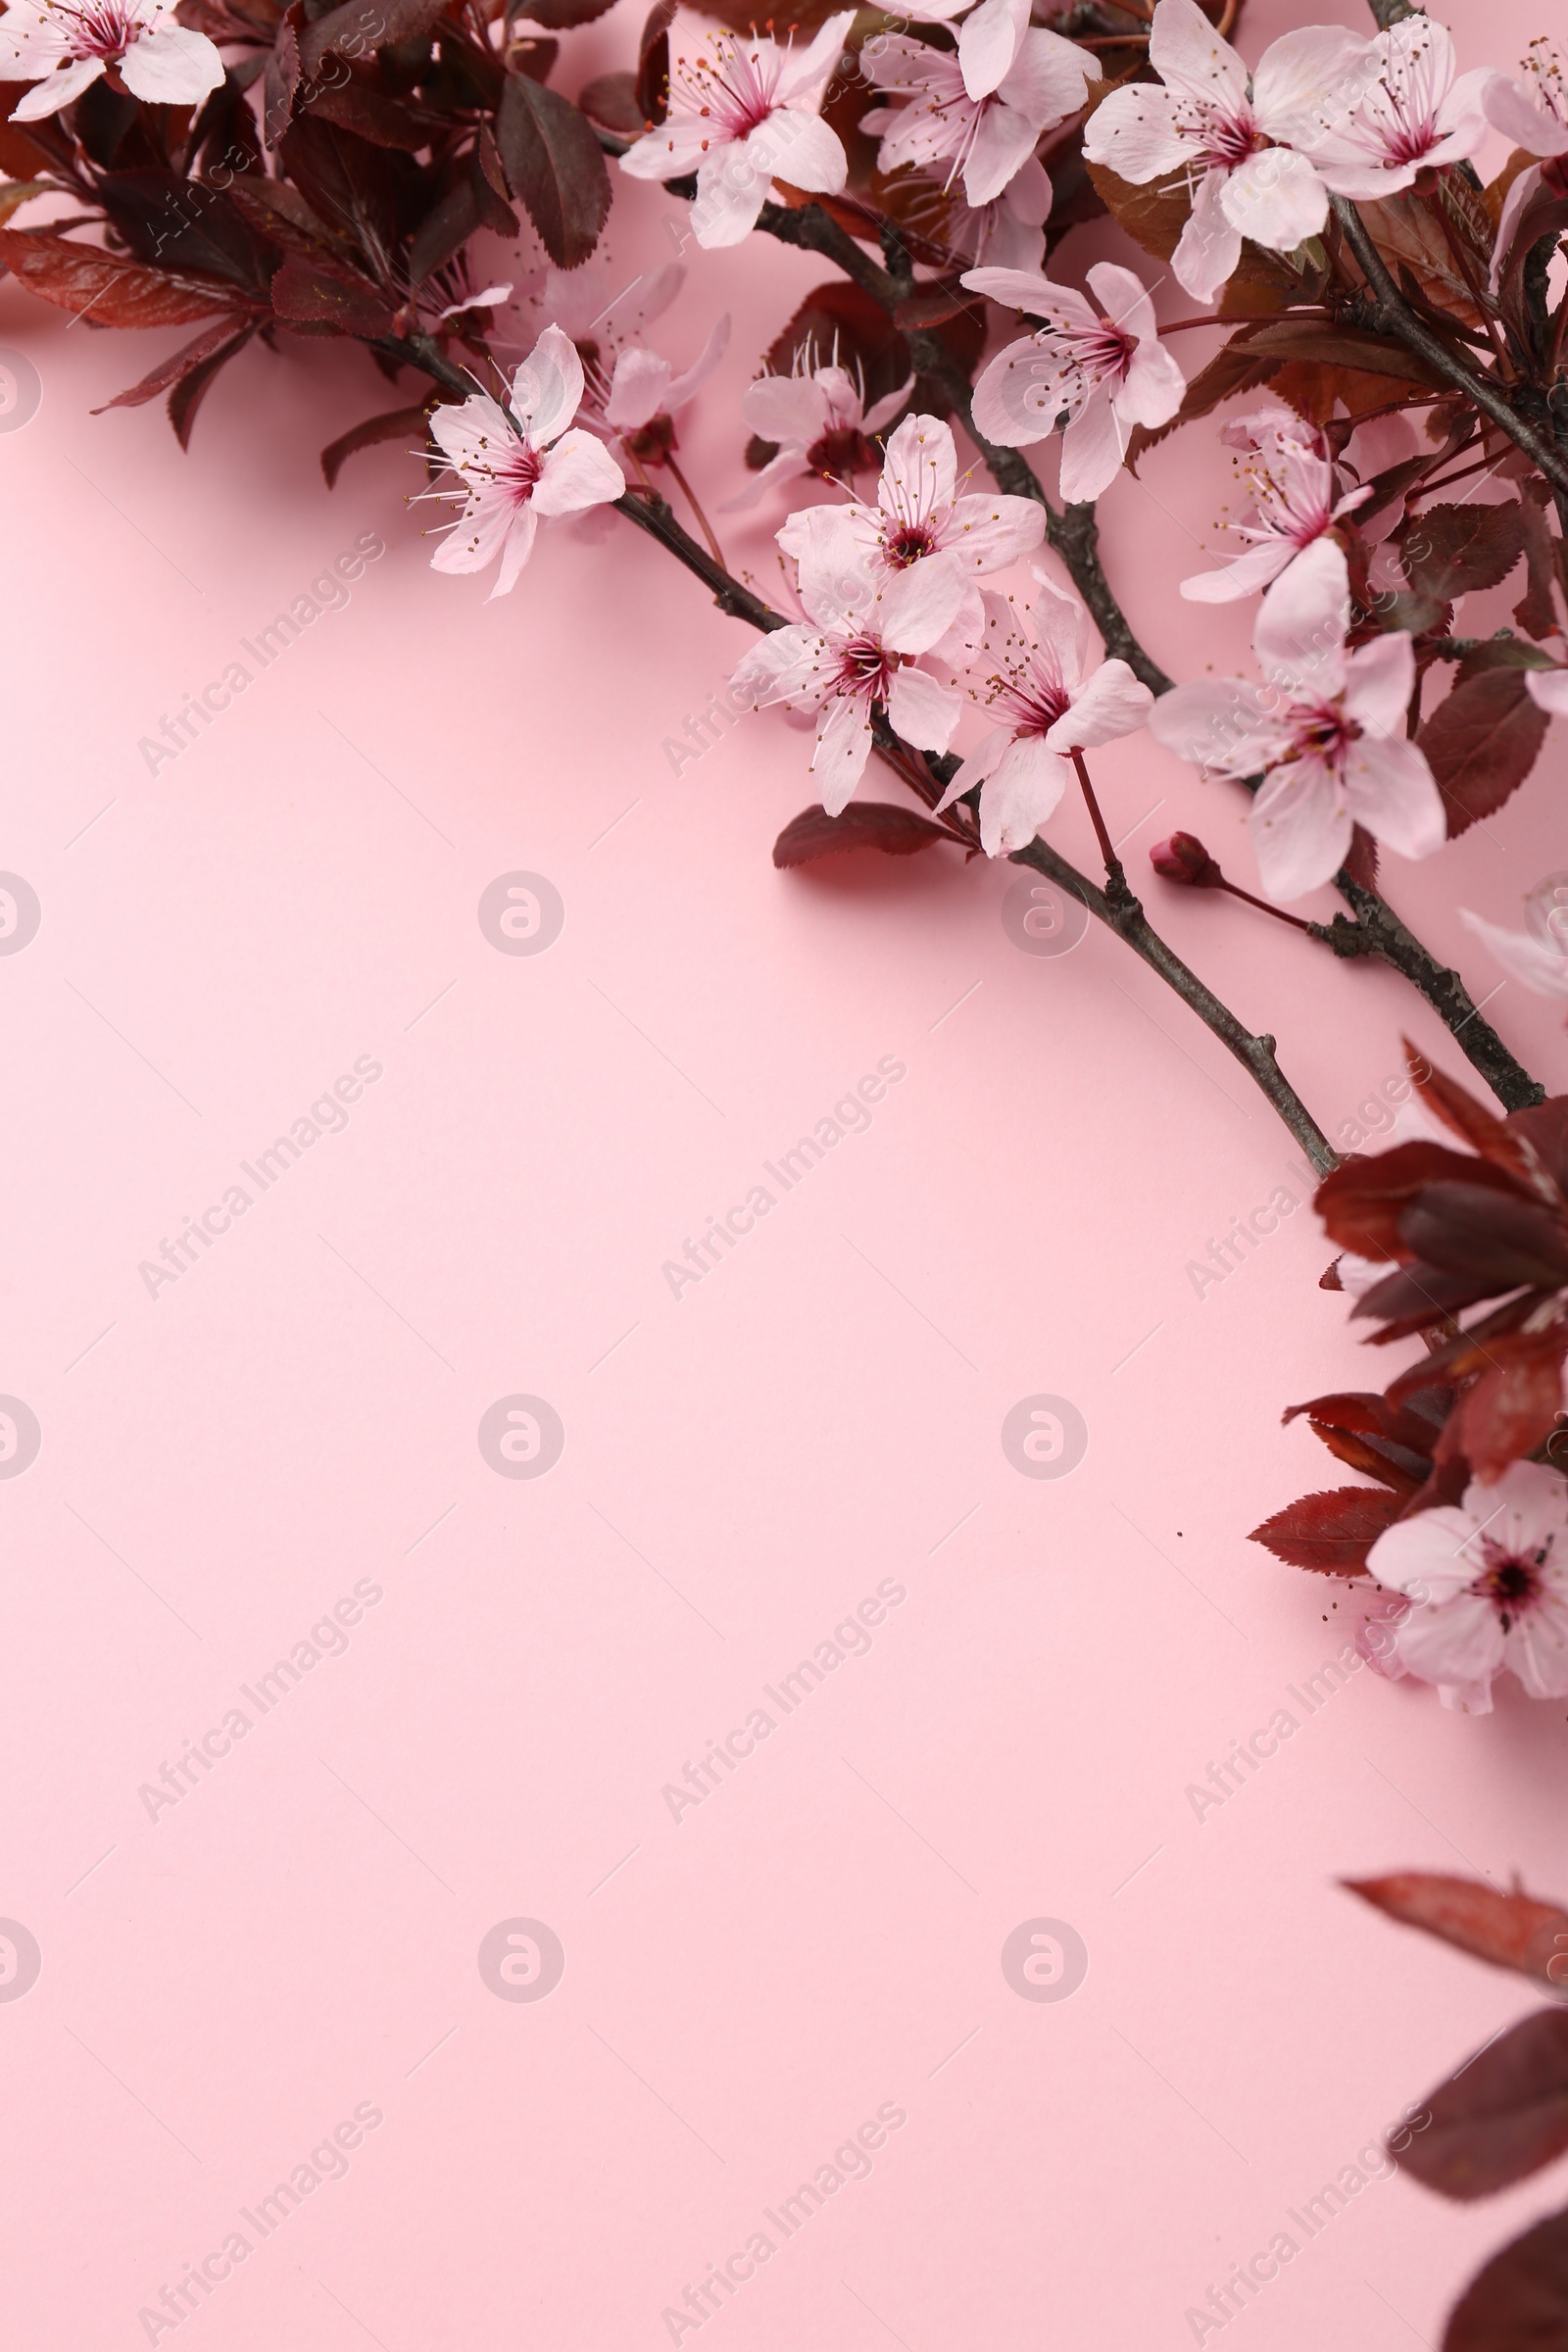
(1488, 1580)
(1328, 727)
(818, 419)
(1009, 232)
(1547, 98)
(1293, 485)
(1413, 111)
(987, 140)
(922, 516)
(61, 46)
(856, 654)
(639, 399)
(1052, 697)
(1233, 138)
(744, 108)
(518, 464)
(1105, 370)
(1538, 955)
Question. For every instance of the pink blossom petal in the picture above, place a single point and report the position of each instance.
(1002, 142)
(547, 389)
(171, 67)
(1541, 967)
(1113, 702)
(1022, 392)
(1276, 199)
(802, 78)
(1026, 290)
(1220, 725)
(923, 710)
(1457, 1644)
(1548, 690)
(676, 147)
(1426, 1557)
(1049, 77)
(1137, 133)
(578, 472)
(789, 665)
(1153, 389)
(1209, 247)
(684, 386)
(516, 548)
(639, 389)
(1190, 58)
(799, 147)
(1301, 75)
(1244, 576)
(1124, 299)
(988, 532)
(975, 769)
(1378, 678)
(1523, 125)
(1023, 790)
(1300, 625)
(56, 89)
(987, 43)
(731, 191)
(919, 470)
(1390, 789)
(1300, 828)
(842, 748)
(920, 605)
(1092, 449)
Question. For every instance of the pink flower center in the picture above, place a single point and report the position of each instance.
(1224, 142)
(909, 543)
(865, 669)
(736, 89)
(103, 30)
(1321, 731)
(1512, 1581)
(516, 471)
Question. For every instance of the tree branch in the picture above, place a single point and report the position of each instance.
(1125, 917)
(1394, 316)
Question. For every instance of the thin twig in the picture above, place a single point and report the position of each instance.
(1121, 913)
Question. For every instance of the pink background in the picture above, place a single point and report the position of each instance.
(297, 1934)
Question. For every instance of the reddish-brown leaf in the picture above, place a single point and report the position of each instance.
(1502, 2117)
(313, 294)
(1362, 1199)
(653, 61)
(1515, 1404)
(393, 424)
(1459, 1110)
(1481, 742)
(1544, 1128)
(864, 825)
(1519, 2302)
(1516, 1931)
(555, 166)
(562, 15)
(611, 99)
(1331, 1533)
(1447, 550)
(359, 27)
(179, 364)
(118, 293)
(1388, 1442)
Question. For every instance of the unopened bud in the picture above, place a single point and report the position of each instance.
(1184, 858)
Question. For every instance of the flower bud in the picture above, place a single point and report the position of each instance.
(1184, 858)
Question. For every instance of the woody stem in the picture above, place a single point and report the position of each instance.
(1115, 877)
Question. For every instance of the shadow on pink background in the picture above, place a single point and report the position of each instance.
(324, 1738)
